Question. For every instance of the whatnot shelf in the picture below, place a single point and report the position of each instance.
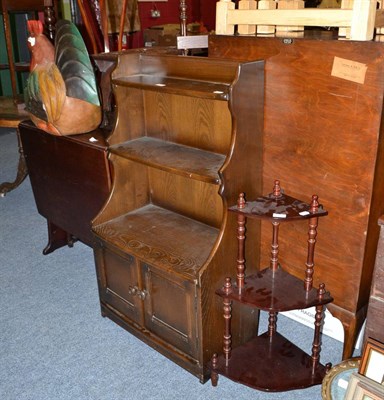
(271, 364)
(273, 290)
(267, 290)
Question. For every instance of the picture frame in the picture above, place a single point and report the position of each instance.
(372, 361)
(362, 388)
(335, 382)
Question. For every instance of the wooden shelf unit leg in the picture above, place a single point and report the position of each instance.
(227, 308)
(274, 263)
(312, 234)
(272, 323)
(214, 374)
(316, 346)
(241, 221)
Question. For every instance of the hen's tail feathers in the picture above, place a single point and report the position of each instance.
(72, 60)
(32, 98)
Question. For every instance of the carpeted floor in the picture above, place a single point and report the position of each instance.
(54, 343)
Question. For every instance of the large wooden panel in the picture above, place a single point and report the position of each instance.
(322, 134)
(203, 123)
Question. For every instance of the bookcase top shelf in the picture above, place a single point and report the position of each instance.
(189, 76)
(180, 86)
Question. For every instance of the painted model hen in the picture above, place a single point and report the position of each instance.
(61, 93)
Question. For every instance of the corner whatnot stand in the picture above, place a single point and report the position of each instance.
(270, 362)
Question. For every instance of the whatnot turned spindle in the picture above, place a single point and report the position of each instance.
(269, 361)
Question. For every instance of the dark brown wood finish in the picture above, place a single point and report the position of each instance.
(71, 181)
(324, 133)
(275, 362)
(269, 361)
(179, 153)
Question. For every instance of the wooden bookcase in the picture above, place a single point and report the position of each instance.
(188, 136)
(269, 361)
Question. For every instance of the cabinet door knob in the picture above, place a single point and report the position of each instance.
(142, 294)
(133, 290)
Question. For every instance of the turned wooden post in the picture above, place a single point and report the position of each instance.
(316, 346)
(49, 20)
(183, 22)
(214, 374)
(272, 323)
(241, 220)
(312, 233)
(227, 303)
(274, 262)
(183, 18)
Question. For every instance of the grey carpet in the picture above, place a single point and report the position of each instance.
(54, 343)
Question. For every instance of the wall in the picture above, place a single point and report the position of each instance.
(208, 13)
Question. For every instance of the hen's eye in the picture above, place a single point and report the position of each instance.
(31, 41)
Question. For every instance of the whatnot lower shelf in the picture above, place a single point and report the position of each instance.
(275, 291)
(172, 157)
(271, 363)
(176, 85)
(162, 238)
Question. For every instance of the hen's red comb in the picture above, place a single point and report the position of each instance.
(35, 27)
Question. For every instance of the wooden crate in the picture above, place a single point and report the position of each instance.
(359, 21)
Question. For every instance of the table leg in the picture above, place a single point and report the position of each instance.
(22, 171)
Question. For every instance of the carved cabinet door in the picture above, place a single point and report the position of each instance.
(119, 284)
(171, 309)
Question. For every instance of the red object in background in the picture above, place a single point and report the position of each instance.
(197, 10)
